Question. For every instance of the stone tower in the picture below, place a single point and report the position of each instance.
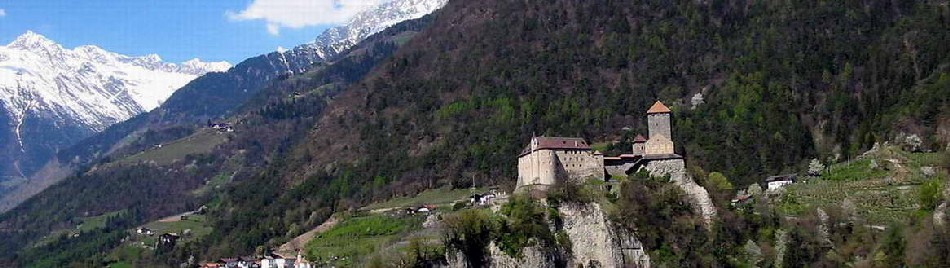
(661, 133)
(639, 145)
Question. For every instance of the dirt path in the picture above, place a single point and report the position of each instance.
(290, 248)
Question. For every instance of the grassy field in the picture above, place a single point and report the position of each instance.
(120, 265)
(96, 222)
(201, 142)
(198, 225)
(442, 197)
(214, 183)
(86, 224)
(352, 240)
(881, 187)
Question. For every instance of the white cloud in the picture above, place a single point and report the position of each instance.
(3, 13)
(301, 13)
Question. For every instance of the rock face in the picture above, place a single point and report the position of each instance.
(533, 257)
(676, 169)
(596, 241)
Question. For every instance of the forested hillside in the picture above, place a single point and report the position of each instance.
(756, 88)
(139, 181)
(781, 83)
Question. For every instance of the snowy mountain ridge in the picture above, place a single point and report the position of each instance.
(86, 85)
(364, 24)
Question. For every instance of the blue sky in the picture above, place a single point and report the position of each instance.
(177, 30)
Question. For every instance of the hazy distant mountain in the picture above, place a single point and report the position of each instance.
(52, 96)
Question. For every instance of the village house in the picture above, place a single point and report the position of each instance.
(221, 127)
(167, 240)
(281, 262)
(144, 231)
(774, 183)
(484, 199)
(741, 199)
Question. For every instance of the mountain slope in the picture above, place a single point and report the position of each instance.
(215, 95)
(262, 132)
(362, 25)
(780, 84)
(53, 96)
(505, 70)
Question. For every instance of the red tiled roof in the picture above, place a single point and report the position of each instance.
(549, 143)
(657, 108)
(639, 139)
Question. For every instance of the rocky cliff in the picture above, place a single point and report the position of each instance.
(698, 196)
(595, 241)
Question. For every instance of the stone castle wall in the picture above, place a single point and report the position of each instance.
(537, 168)
(581, 165)
(659, 144)
(547, 167)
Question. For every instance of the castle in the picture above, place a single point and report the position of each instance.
(547, 161)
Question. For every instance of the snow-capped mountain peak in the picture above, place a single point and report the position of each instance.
(197, 67)
(31, 39)
(335, 40)
(368, 22)
(87, 85)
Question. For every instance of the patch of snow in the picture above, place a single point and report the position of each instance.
(369, 22)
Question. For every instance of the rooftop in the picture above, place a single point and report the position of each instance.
(639, 139)
(553, 143)
(658, 108)
(785, 177)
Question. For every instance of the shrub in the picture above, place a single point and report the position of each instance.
(930, 194)
(524, 225)
(469, 233)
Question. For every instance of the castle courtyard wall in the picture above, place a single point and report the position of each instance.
(581, 165)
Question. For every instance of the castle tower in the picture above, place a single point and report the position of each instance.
(639, 145)
(661, 134)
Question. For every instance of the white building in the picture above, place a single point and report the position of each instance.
(774, 183)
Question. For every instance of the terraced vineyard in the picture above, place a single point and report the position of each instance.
(357, 239)
(880, 187)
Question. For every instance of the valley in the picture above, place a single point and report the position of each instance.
(500, 133)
